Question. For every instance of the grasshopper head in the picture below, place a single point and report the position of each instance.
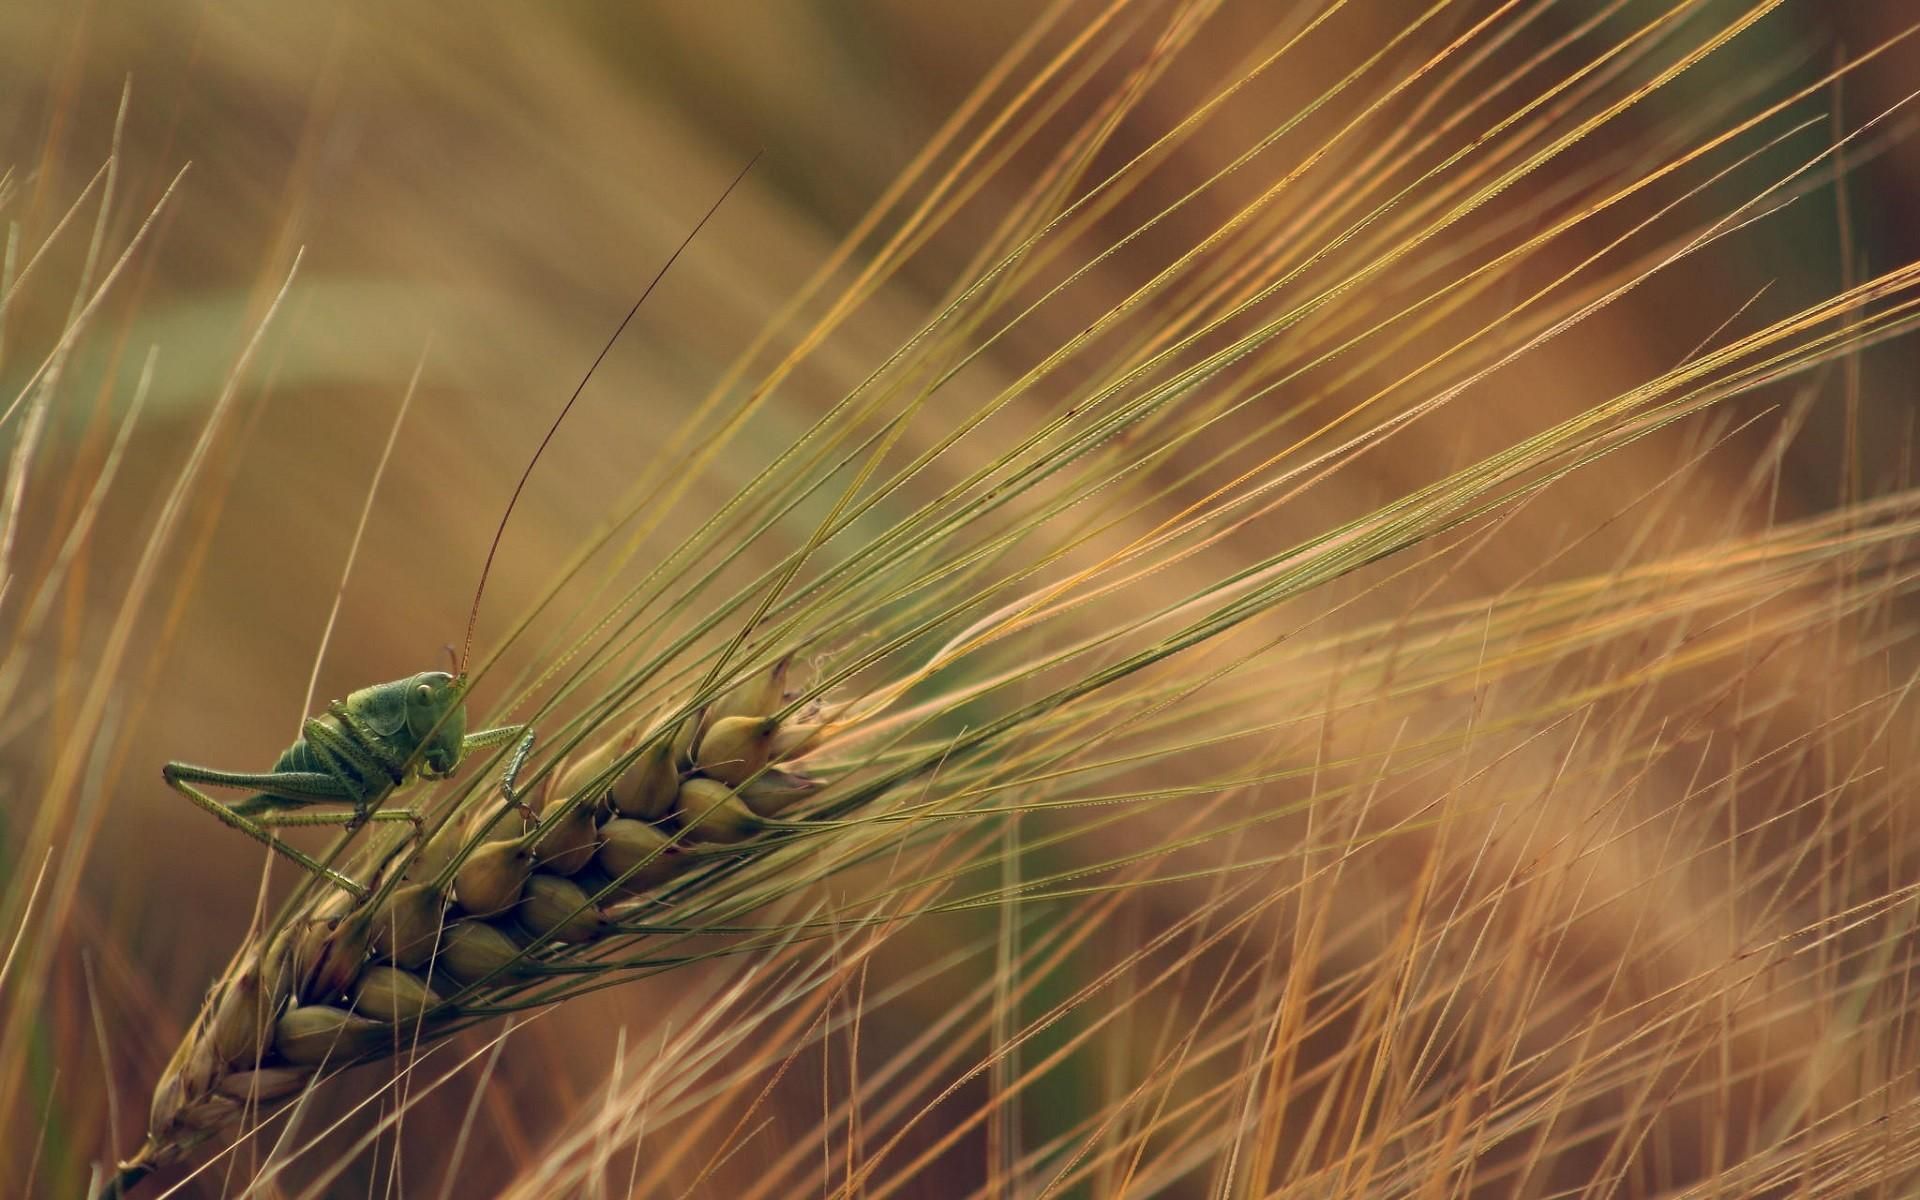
(437, 720)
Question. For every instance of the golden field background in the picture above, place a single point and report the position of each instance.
(490, 185)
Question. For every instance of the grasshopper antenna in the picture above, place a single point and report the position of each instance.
(473, 618)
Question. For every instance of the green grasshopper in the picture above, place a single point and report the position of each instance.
(383, 737)
(379, 738)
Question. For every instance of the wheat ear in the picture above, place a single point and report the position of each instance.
(483, 912)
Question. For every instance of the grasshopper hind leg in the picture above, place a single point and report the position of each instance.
(299, 788)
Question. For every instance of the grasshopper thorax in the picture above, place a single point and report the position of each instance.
(422, 717)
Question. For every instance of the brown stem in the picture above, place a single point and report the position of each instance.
(128, 1175)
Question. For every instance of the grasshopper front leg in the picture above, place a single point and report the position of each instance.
(297, 787)
(487, 739)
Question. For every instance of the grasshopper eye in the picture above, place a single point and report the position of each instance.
(423, 694)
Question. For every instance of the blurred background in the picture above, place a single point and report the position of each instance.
(481, 190)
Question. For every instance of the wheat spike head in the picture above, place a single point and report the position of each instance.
(443, 934)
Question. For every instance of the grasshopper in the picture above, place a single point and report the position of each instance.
(383, 737)
(379, 738)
